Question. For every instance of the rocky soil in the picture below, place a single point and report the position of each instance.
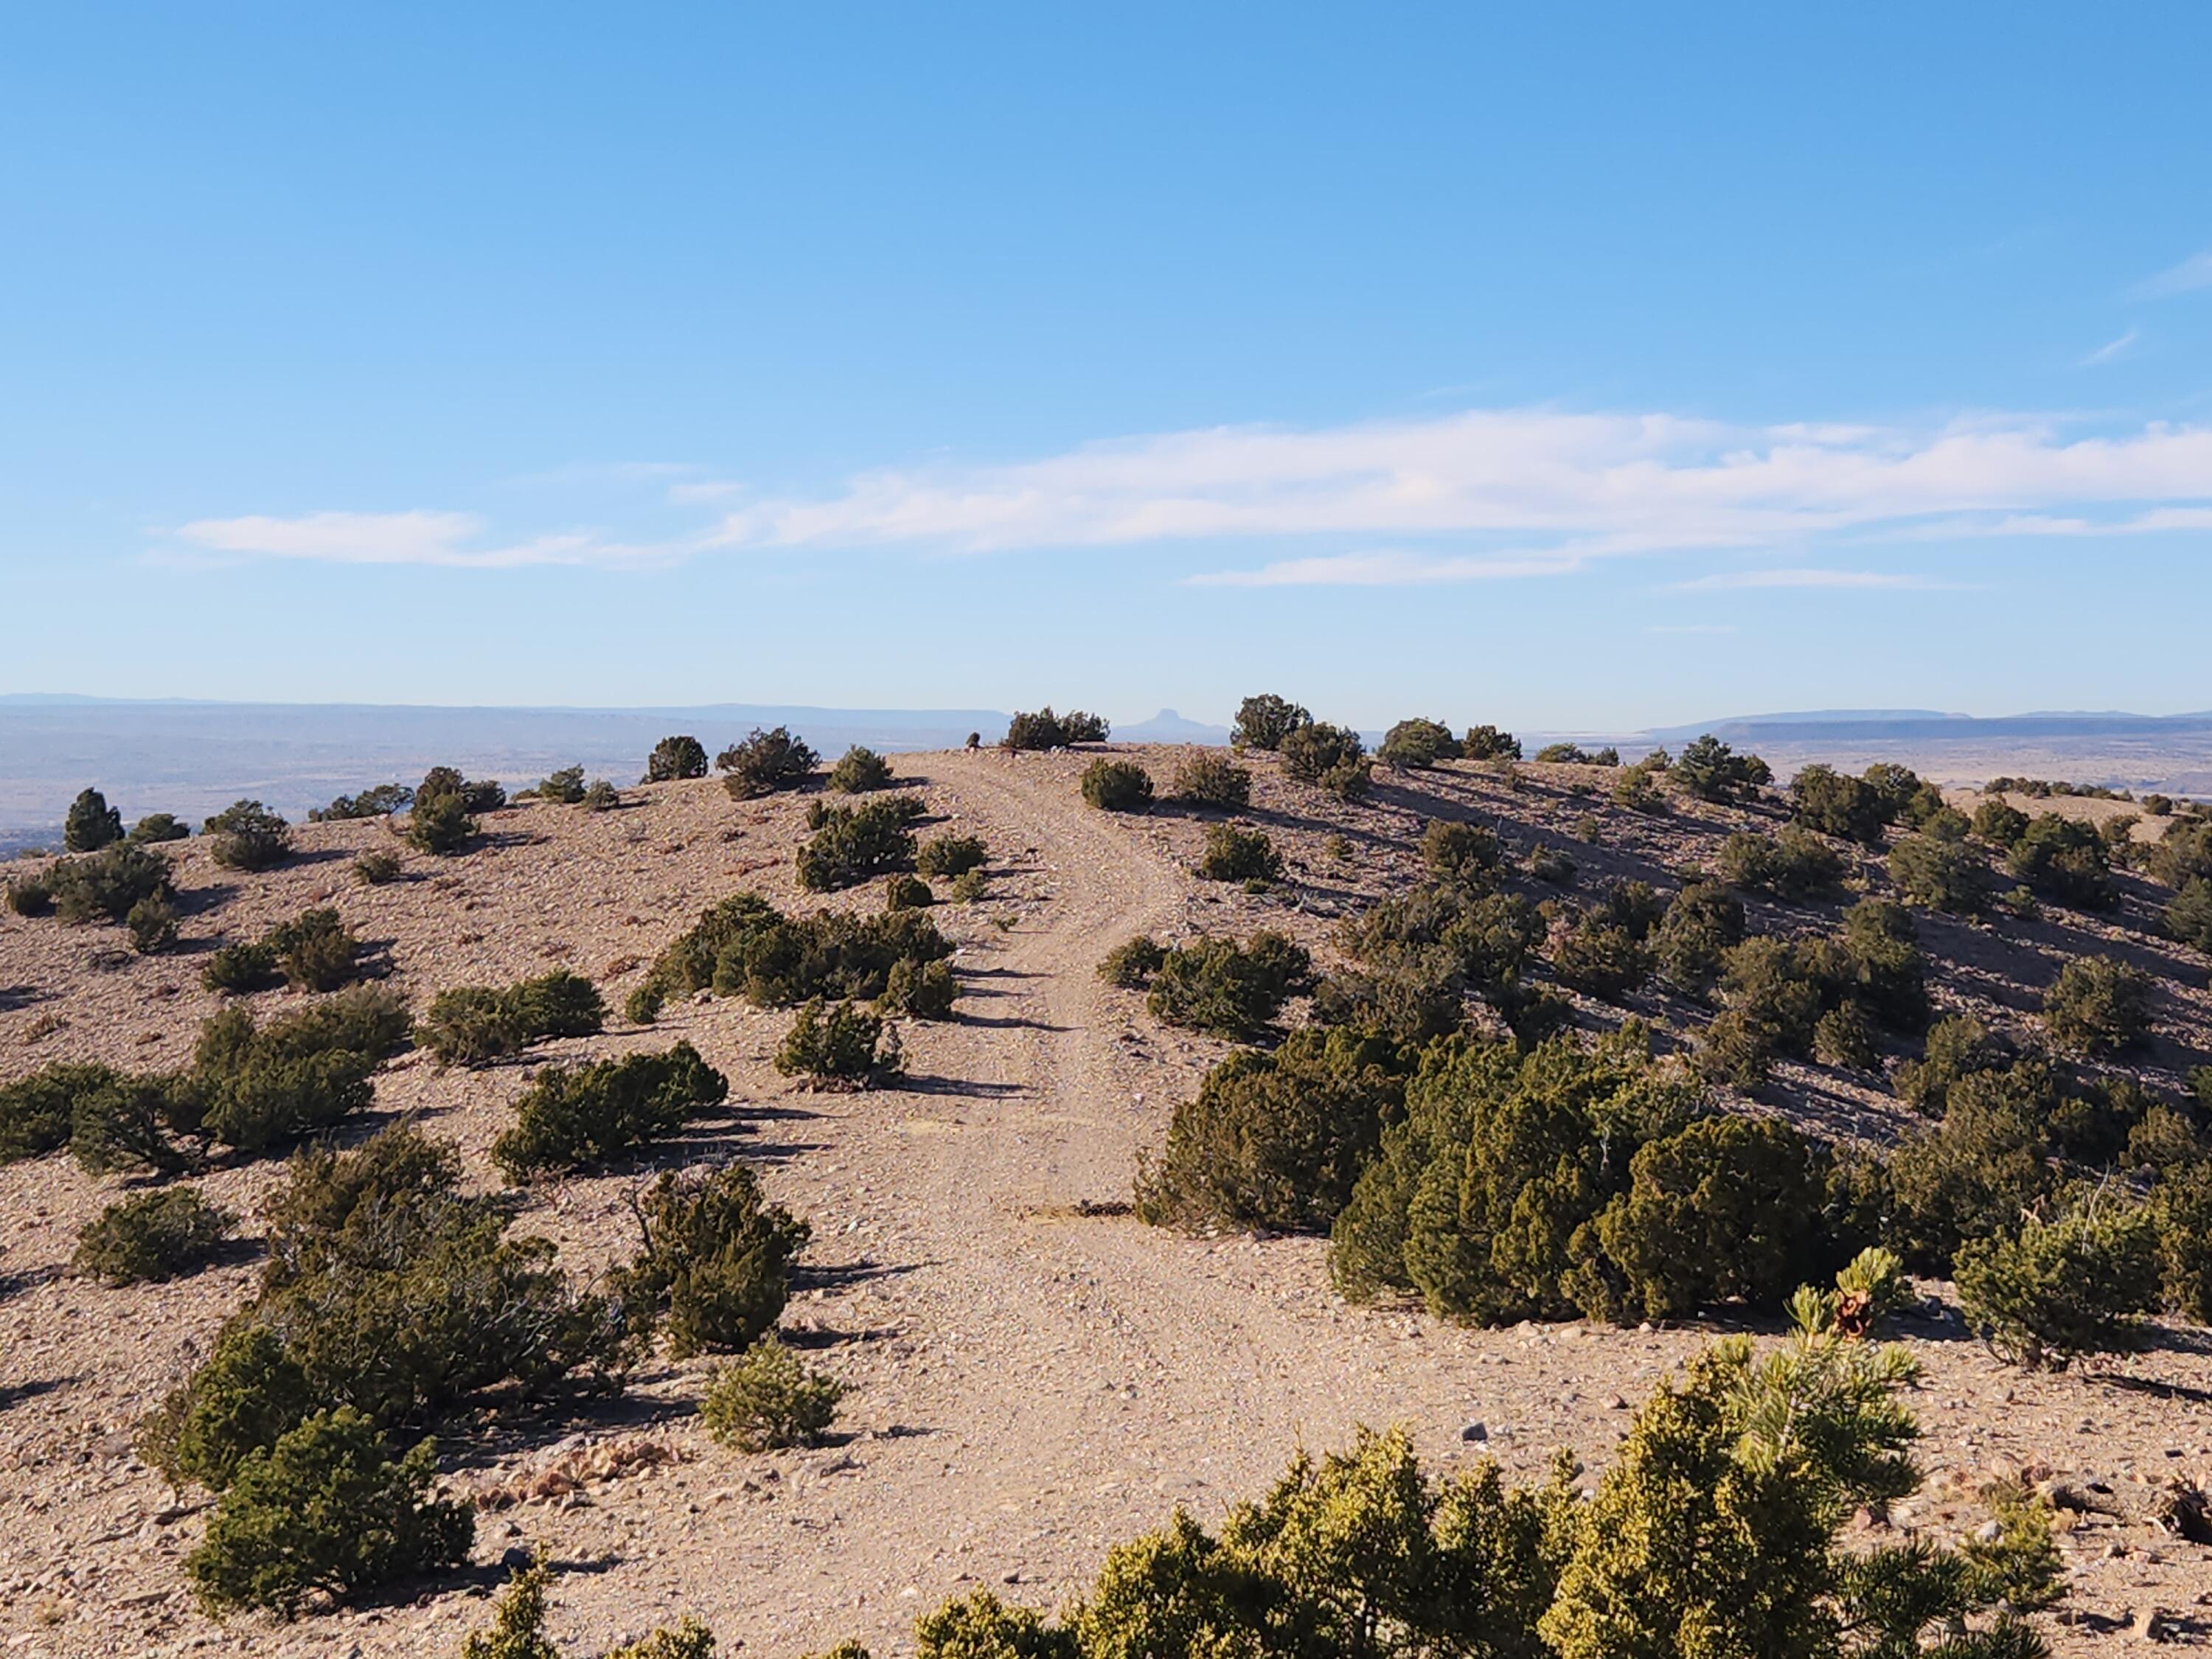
(1034, 1374)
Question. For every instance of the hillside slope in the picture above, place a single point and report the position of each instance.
(1034, 1374)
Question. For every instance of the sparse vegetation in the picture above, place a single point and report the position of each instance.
(1262, 722)
(1943, 874)
(2049, 1292)
(441, 824)
(854, 844)
(1235, 854)
(2099, 1005)
(1115, 785)
(376, 867)
(838, 1045)
(585, 1117)
(1131, 964)
(1205, 777)
(859, 770)
(1712, 771)
(155, 1236)
(476, 1024)
(248, 836)
(766, 1400)
(1487, 742)
(563, 788)
(1232, 990)
(1330, 756)
(327, 1507)
(91, 824)
(1416, 745)
(380, 802)
(158, 827)
(949, 856)
(765, 763)
(745, 947)
(1045, 729)
(102, 886)
(714, 1268)
(675, 757)
(1795, 864)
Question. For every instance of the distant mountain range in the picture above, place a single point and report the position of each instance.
(1924, 723)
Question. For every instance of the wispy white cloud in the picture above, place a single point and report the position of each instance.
(1513, 493)
(1812, 578)
(2111, 348)
(2193, 273)
(452, 539)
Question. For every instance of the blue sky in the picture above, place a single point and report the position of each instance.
(1570, 367)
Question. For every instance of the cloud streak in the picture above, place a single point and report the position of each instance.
(2112, 350)
(1511, 493)
(2191, 274)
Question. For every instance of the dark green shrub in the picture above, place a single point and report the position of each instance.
(1710, 770)
(1275, 1139)
(133, 1124)
(1943, 875)
(1902, 792)
(2098, 1005)
(907, 893)
(766, 762)
(1999, 823)
(257, 1088)
(1132, 963)
(1481, 1196)
(440, 823)
(859, 770)
(1234, 991)
(1703, 922)
(1795, 864)
(2158, 806)
(327, 1507)
(157, 827)
(2189, 917)
(1834, 804)
(1262, 722)
(1312, 753)
(104, 886)
(154, 1236)
(1636, 788)
(30, 896)
(744, 947)
(380, 802)
(1234, 855)
(1956, 1048)
(2064, 861)
(1486, 743)
(376, 867)
(153, 925)
(1417, 744)
(1887, 975)
(927, 990)
(248, 1395)
(837, 1046)
(767, 1400)
(564, 787)
(36, 1111)
(675, 757)
(583, 1117)
(1115, 785)
(1414, 1000)
(1973, 1176)
(248, 836)
(950, 855)
(2050, 1292)
(1844, 1037)
(1573, 754)
(1465, 853)
(2182, 1204)
(601, 797)
(1045, 730)
(968, 887)
(92, 824)
(474, 1024)
(1774, 991)
(716, 1263)
(1554, 865)
(1599, 958)
(316, 950)
(474, 795)
(1205, 777)
(2184, 852)
(854, 844)
(1726, 1209)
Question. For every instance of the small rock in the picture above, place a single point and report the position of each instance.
(514, 1557)
(1988, 1532)
(1475, 1430)
(2152, 1625)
